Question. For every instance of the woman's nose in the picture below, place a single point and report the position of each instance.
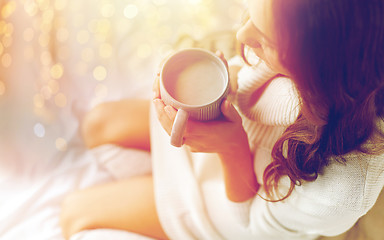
(247, 35)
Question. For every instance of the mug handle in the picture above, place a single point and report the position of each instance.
(178, 128)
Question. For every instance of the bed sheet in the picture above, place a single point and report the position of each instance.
(30, 205)
(52, 77)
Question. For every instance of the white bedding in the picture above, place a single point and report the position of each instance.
(30, 202)
(63, 58)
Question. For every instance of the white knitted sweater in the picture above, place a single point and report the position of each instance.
(190, 192)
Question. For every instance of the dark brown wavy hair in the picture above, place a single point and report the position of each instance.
(334, 51)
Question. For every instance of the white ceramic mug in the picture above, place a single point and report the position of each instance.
(195, 82)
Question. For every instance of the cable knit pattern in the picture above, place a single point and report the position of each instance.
(190, 191)
(278, 105)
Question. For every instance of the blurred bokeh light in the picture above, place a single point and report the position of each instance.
(57, 53)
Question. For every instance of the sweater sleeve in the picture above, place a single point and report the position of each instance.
(328, 206)
(256, 217)
(298, 218)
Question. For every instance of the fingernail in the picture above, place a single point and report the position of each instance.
(226, 104)
(169, 111)
(229, 104)
(156, 101)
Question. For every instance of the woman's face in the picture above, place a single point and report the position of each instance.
(258, 34)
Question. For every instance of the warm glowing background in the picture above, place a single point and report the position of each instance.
(60, 57)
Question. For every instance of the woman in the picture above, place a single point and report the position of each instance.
(302, 154)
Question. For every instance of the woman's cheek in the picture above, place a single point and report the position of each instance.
(272, 60)
(260, 53)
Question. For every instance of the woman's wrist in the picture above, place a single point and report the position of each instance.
(240, 179)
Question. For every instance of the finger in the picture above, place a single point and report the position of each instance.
(193, 148)
(171, 112)
(164, 120)
(156, 87)
(220, 54)
(229, 111)
(156, 83)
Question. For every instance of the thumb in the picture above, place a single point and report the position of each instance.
(229, 111)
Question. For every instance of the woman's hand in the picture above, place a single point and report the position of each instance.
(221, 136)
(225, 136)
(213, 136)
